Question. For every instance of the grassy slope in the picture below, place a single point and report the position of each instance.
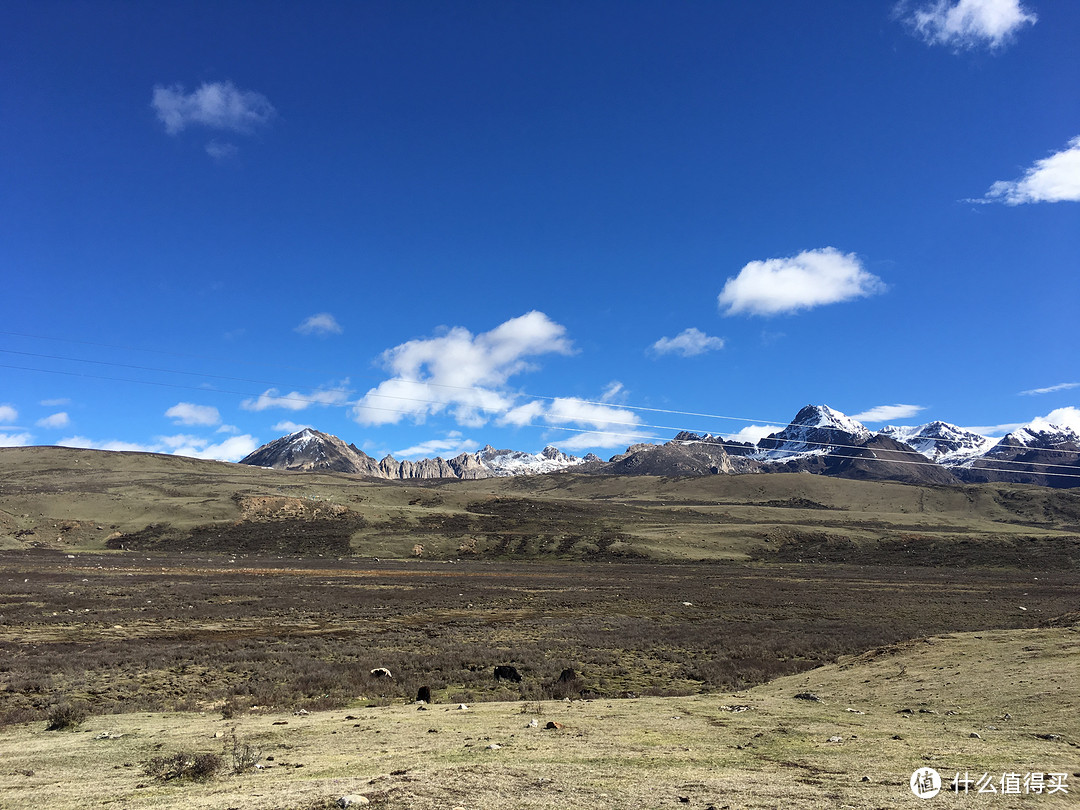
(77, 499)
(1007, 686)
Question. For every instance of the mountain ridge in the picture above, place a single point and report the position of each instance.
(819, 440)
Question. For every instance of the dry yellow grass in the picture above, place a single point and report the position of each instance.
(1005, 686)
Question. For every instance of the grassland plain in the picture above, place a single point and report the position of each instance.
(881, 715)
(161, 595)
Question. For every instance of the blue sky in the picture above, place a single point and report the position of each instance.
(427, 226)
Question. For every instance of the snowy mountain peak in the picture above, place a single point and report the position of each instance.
(1039, 435)
(815, 430)
(941, 442)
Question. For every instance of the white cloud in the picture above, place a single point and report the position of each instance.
(1050, 389)
(15, 439)
(888, 413)
(525, 414)
(452, 445)
(752, 433)
(232, 449)
(459, 372)
(321, 324)
(217, 105)
(295, 401)
(289, 427)
(228, 429)
(8, 414)
(607, 426)
(615, 390)
(54, 403)
(1062, 417)
(811, 279)
(187, 413)
(688, 342)
(56, 420)
(1052, 179)
(968, 23)
(221, 150)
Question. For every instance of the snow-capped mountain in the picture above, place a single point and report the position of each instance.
(1037, 437)
(313, 450)
(815, 430)
(941, 442)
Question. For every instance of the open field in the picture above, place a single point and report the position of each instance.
(74, 500)
(170, 600)
(880, 716)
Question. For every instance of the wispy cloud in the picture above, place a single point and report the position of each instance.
(966, 24)
(8, 414)
(688, 343)
(221, 150)
(215, 105)
(810, 279)
(55, 403)
(321, 324)
(1053, 179)
(187, 413)
(232, 449)
(295, 401)
(56, 420)
(453, 445)
(459, 372)
(1050, 389)
(287, 426)
(887, 413)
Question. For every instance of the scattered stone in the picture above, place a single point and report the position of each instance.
(351, 717)
(975, 735)
(952, 713)
(897, 737)
(533, 723)
(905, 711)
(865, 779)
(734, 708)
(462, 707)
(1050, 737)
(808, 696)
(927, 711)
(494, 747)
(280, 723)
(421, 708)
(354, 800)
(684, 799)
(301, 713)
(218, 735)
(835, 739)
(854, 711)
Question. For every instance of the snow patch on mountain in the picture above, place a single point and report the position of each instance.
(944, 443)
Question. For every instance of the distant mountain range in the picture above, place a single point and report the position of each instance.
(819, 440)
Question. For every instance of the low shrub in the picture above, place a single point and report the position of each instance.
(65, 715)
(183, 765)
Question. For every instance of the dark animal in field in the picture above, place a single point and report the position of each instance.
(381, 672)
(424, 694)
(506, 673)
(567, 676)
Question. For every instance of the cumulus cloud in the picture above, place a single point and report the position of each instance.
(888, 413)
(295, 401)
(593, 424)
(752, 433)
(1062, 417)
(1053, 179)
(8, 414)
(1050, 389)
(459, 373)
(453, 445)
(232, 449)
(215, 105)
(965, 24)
(56, 420)
(321, 324)
(21, 439)
(187, 413)
(812, 278)
(688, 342)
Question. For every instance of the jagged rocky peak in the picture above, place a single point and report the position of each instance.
(940, 441)
(816, 429)
(309, 449)
(1038, 436)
